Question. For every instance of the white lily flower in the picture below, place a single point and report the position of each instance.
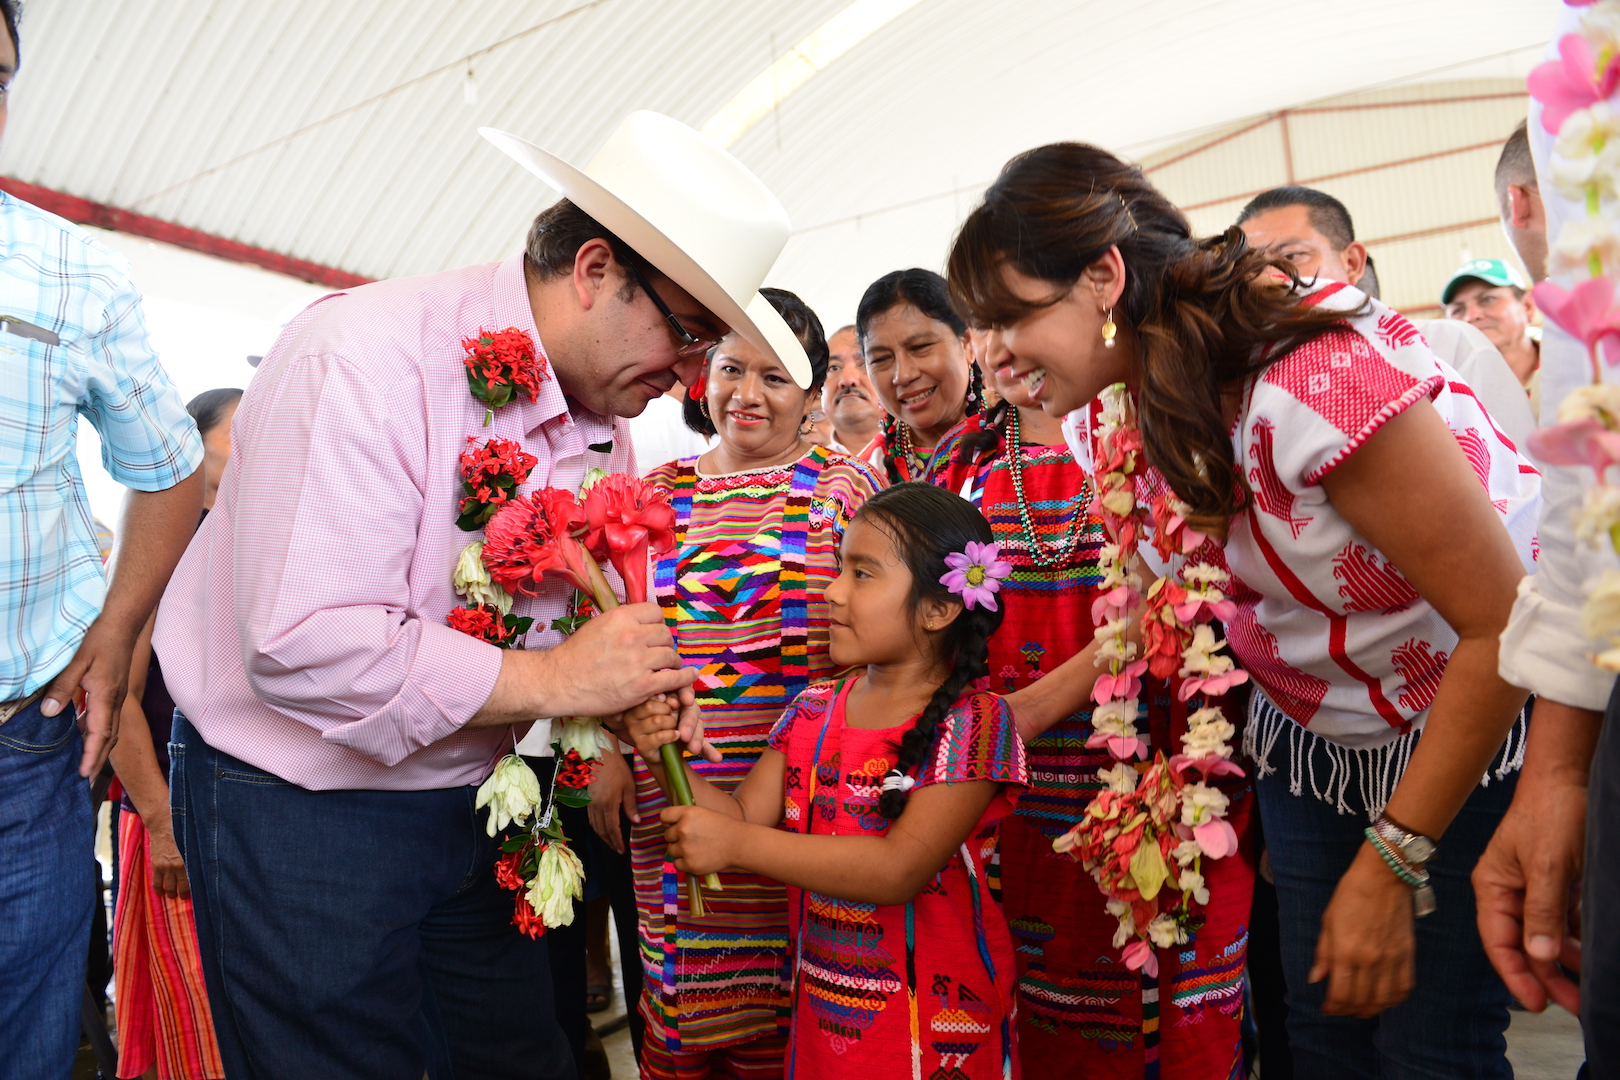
(512, 793)
(559, 881)
(472, 580)
(581, 733)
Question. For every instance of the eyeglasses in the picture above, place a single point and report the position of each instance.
(691, 345)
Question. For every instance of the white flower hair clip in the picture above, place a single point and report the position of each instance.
(976, 574)
(896, 780)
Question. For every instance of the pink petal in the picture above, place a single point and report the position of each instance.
(1217, 837)
(1138, 956)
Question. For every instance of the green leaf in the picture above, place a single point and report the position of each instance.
(601, 447)
(1147, 867)
(519, 624)
(573, 796)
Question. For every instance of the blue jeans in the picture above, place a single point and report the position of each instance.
(1453, 1025)
(47, 893)
(356, 934)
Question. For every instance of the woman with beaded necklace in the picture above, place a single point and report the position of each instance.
(1078, 1014)
(916, 350)
(1373, 523)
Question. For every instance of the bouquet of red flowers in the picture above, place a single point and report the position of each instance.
(500, 363)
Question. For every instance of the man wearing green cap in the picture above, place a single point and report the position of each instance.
(1489, 295)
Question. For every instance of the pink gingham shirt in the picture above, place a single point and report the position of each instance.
(304, 630)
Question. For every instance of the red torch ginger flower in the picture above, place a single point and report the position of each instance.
(627, 519)
(533, 536)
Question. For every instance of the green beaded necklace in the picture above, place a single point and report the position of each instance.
(1071, 534)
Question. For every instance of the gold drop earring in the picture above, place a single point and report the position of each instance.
(1109, 330)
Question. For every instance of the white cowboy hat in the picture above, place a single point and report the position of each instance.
(689, 208)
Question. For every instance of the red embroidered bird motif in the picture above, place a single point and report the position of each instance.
(1270, 492)
(1370, 584)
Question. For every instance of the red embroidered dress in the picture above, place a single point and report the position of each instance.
(1080, 1010)
(918, 989)
(742, 593)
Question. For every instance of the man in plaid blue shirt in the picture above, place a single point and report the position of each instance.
(72, 342)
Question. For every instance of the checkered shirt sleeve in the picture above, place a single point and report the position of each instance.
(59, 281)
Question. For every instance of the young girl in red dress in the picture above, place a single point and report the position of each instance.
(876, 804)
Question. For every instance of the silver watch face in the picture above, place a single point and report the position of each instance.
(1418, 849)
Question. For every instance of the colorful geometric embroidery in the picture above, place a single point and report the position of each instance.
(845, 970)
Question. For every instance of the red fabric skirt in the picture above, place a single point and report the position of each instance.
(161, 1003)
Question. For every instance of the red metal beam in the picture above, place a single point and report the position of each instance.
(114, 219)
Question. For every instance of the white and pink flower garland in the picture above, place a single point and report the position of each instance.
(1144, 837)
(1577, 94)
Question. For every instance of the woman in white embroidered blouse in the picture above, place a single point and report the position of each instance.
(1375, 523)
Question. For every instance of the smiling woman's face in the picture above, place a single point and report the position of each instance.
(755, 406)
(1057, 353)
(919, 369)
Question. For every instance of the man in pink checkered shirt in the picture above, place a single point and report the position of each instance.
(331, 727)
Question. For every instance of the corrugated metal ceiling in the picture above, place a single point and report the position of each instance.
(340, 133)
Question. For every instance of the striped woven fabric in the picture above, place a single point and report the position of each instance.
(160, 1002)
(742, 593)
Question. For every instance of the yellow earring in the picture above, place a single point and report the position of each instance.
(1109, 330)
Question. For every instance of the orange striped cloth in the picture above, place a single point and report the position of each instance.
(162, 1006)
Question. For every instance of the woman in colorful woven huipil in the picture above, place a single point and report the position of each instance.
(1079, 1007)
(758, 522)
(916, 350)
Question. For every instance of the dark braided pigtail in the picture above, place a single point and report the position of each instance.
(975, 394)
(926, 524)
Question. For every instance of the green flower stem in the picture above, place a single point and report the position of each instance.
(680, 789)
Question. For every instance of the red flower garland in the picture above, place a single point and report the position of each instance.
(500, 363)
(486, 623)
(490, 474)
(574, 771)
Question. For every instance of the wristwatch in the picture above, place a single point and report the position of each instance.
(1415, 849)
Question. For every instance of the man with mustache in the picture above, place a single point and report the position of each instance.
(847, 396)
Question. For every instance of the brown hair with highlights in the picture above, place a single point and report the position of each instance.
(1204, 318)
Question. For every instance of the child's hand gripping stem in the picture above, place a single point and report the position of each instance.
(653, 727)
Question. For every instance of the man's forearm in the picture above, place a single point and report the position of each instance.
(1563, 739)
(153, 533)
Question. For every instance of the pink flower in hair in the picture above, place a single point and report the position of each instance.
(976, 575)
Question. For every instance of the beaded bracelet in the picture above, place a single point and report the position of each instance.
(1397, 865)
(1423, 902)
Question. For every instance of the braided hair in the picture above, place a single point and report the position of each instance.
(928, 293)
(926, 524)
